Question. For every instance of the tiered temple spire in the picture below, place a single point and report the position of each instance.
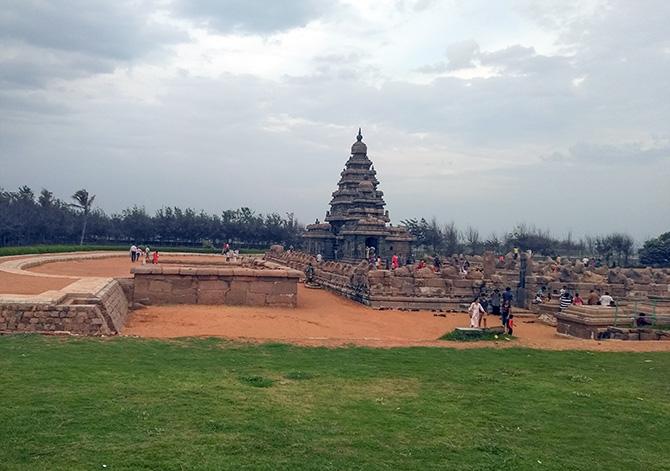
(357, 219)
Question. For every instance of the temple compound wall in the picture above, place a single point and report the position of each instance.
(410, 288)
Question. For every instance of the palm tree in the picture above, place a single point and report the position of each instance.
(83, 202)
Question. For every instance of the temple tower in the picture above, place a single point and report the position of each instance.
(357, 219)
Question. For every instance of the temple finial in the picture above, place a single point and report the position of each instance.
(360, 136)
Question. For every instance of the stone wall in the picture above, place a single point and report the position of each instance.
(267, 286)
(412, 288)
(404, 288)
(87, 307)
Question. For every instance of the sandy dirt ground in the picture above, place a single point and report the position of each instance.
(26, 284)
(321, 318)
(325, 319)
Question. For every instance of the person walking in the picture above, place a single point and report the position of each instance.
(155, 257)
(133, 253)
(475, 311)
(394, 262)
(495, 302)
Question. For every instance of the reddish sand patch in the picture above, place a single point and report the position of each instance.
(323, 318)
(26, 284)
(115, 267)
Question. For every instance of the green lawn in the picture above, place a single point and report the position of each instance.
(207, 404)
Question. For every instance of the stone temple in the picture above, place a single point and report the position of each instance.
(357, 218)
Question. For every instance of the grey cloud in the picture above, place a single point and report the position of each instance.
(252, 16)
(633, 153)
(116, 30)
(462, 54)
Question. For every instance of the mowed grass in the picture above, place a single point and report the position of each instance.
(208, 404)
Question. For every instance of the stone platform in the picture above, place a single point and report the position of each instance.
(91, 306)
(266, 284)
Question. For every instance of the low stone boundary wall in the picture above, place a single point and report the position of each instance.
(590, 322)
(266, 286)
(92, 306)
(404, 288)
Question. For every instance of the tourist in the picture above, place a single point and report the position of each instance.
(309, 274)
(482, 319)
(509, 326)
(394, 262)
(495, 302)
(133, 253)
(565, 300)
(507, 295)
(641, 320)
(421, 264)
(607, 300)
(475, 311)
(515, 252)
(155, 257)
(593, 298)
(505, 311)
(319, 258)
(577, 300)
(436, 263)
(147, 255)
(563, 290)
(379, 263)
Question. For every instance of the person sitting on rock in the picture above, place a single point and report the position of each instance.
(577, 301)
(593, 299)
(309, 274)
(607, 300)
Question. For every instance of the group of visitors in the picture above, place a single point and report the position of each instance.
(144, 255)
(565, 298)
(229, 253)
(500, 305)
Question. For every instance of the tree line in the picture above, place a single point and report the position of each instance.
(26, 218)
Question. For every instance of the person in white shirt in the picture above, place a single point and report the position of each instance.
(475, 310)
(606, 300)
(319, 258)
(133, 253)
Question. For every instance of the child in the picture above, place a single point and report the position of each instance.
(510, 325)
(155, 259)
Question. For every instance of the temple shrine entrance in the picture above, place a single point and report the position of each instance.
(372, 242)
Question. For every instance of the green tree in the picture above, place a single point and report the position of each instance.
(656, 251)
(83, 201)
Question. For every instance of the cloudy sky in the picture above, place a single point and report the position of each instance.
(552, 113)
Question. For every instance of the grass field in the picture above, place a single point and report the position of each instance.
(43, 249)
(208, 404)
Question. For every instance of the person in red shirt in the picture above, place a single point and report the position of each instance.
(510, 325)
(577, 301)
(155, 259)
(394, 262)
(421, 264)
